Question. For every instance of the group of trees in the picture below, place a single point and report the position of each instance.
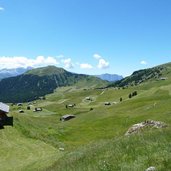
(132, 94)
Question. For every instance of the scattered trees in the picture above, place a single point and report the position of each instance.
(132, 94)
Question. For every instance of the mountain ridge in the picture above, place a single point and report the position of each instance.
(143, 75)
(41, 81)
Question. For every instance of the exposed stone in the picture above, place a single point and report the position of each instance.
(137, 127)
(152, 168)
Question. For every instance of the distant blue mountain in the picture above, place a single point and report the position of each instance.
(110, 77)
(6, 73)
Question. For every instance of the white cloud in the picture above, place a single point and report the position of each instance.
(86, 66)
(103, 64)
(143, 62)
(15, 62)
(97, 56)
(2, 9)
(68, 63)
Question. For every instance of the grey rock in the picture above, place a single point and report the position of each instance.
(152, 168)
(148, 123)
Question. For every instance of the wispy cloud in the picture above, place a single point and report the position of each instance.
(15, 62)
(143, 62)
(2, 9)
(86, 66)
(97, 56)
(68, 63)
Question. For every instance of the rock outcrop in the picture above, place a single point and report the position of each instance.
(148, 123)
(152, 168)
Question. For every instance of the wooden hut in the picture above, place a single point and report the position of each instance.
(21, 111)
(107, 103)
(37, 109)
(67, 117)
(88, 98)
(4, 119)
(71, 105)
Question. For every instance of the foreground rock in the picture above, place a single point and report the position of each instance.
(148, 123)
(152, 168)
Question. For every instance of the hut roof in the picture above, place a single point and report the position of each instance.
(67, 116)
(70, 105)
(4, 107)
(21, 111)
(37, 109)
(107, 103)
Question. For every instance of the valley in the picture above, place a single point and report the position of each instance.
(95, 139)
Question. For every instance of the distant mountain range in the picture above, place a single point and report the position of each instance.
(110, 77)
(41, 81)
(6, 73)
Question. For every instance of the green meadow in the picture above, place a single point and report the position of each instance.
(94, 140)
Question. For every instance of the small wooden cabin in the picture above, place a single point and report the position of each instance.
(67, 117)
(71, 105)
(163, 78)
(21, 111)
(4, 119)
(107, 103)
(37, 109)
(88, 98)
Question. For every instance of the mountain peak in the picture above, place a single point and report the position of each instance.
(48, 70)
(110, 77)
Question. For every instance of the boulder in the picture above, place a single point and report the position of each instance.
(148, 123)
(152, 168)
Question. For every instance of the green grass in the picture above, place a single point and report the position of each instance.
(135, 153)
(94, 140)
(21, 153)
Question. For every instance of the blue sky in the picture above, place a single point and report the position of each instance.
(85, 36)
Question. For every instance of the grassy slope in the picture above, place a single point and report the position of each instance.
(21, 153)
(94, 139)
(105, 123)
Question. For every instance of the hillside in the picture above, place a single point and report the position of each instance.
(145, 75)
(41, 81)
(95, 139)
